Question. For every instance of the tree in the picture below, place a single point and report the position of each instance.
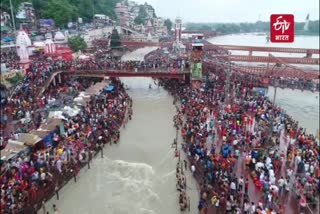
(71, 9)
(77, 43)
(115, 39)
(168, 24)
(142, 16)
(61, 11)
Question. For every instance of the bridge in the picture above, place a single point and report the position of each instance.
(120, 73)
(266, 59)
(289, 72)
(115, 73)
(136, 44)
(205, 33)
(252, 49)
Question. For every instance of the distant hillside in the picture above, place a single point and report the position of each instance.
(64, 11)
(226, 28)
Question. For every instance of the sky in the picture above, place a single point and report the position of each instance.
(233, 10)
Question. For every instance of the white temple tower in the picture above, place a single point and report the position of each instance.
(178, 47)
(23, 42)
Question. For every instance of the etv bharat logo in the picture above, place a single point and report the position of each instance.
(282, 28)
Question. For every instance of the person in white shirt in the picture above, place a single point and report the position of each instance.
(193, 168)
(233, 187)
(281, 184)
(253, 208)
(240, 183)
(246, 207)
(289, 172)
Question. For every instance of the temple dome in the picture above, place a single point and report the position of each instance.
(39, 44)
(59, 36)
(48, 41)
(23, 39)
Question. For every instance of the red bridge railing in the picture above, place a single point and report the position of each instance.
(288, 60)
(262, 49)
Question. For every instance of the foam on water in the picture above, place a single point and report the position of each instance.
(132, 188)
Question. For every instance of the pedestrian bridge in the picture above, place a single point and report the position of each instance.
(154, 73)
(125, 73)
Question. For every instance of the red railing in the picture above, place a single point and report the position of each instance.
(266, 59)
(262, 49)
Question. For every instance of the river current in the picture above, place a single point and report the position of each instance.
(137, 175)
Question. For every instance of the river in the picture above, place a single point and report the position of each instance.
(137, 175)
(303, 106)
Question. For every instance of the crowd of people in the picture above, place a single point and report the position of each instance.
(33, 175)
(235, 145)
(158, 60)
(10, 58)
(242, 146)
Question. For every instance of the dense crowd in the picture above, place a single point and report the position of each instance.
(233, 152)
(158, 60)
(25, 95)
(34, 175)
(10, 58)
(30, 176)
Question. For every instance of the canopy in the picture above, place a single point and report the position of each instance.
(50, 124)
(39, 44)
(33, 33)
(39, 133)
(12, 149)
(108, 88)
(197, 45)
(28, 139)
(7, 38)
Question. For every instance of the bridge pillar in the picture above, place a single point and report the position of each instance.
(54, 81)
(309, 55)
(187, 79)
(250, 53)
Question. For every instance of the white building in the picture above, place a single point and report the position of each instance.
(5, 19)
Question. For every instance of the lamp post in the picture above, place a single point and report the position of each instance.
(12, 16)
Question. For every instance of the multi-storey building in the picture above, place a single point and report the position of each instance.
(26, 15)
(159, 27)
(123, 14)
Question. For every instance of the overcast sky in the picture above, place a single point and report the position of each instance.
(233, 10)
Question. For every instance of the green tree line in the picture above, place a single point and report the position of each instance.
(64, 11)
(226, 28)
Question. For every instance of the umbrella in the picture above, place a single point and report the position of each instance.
(109, 88)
